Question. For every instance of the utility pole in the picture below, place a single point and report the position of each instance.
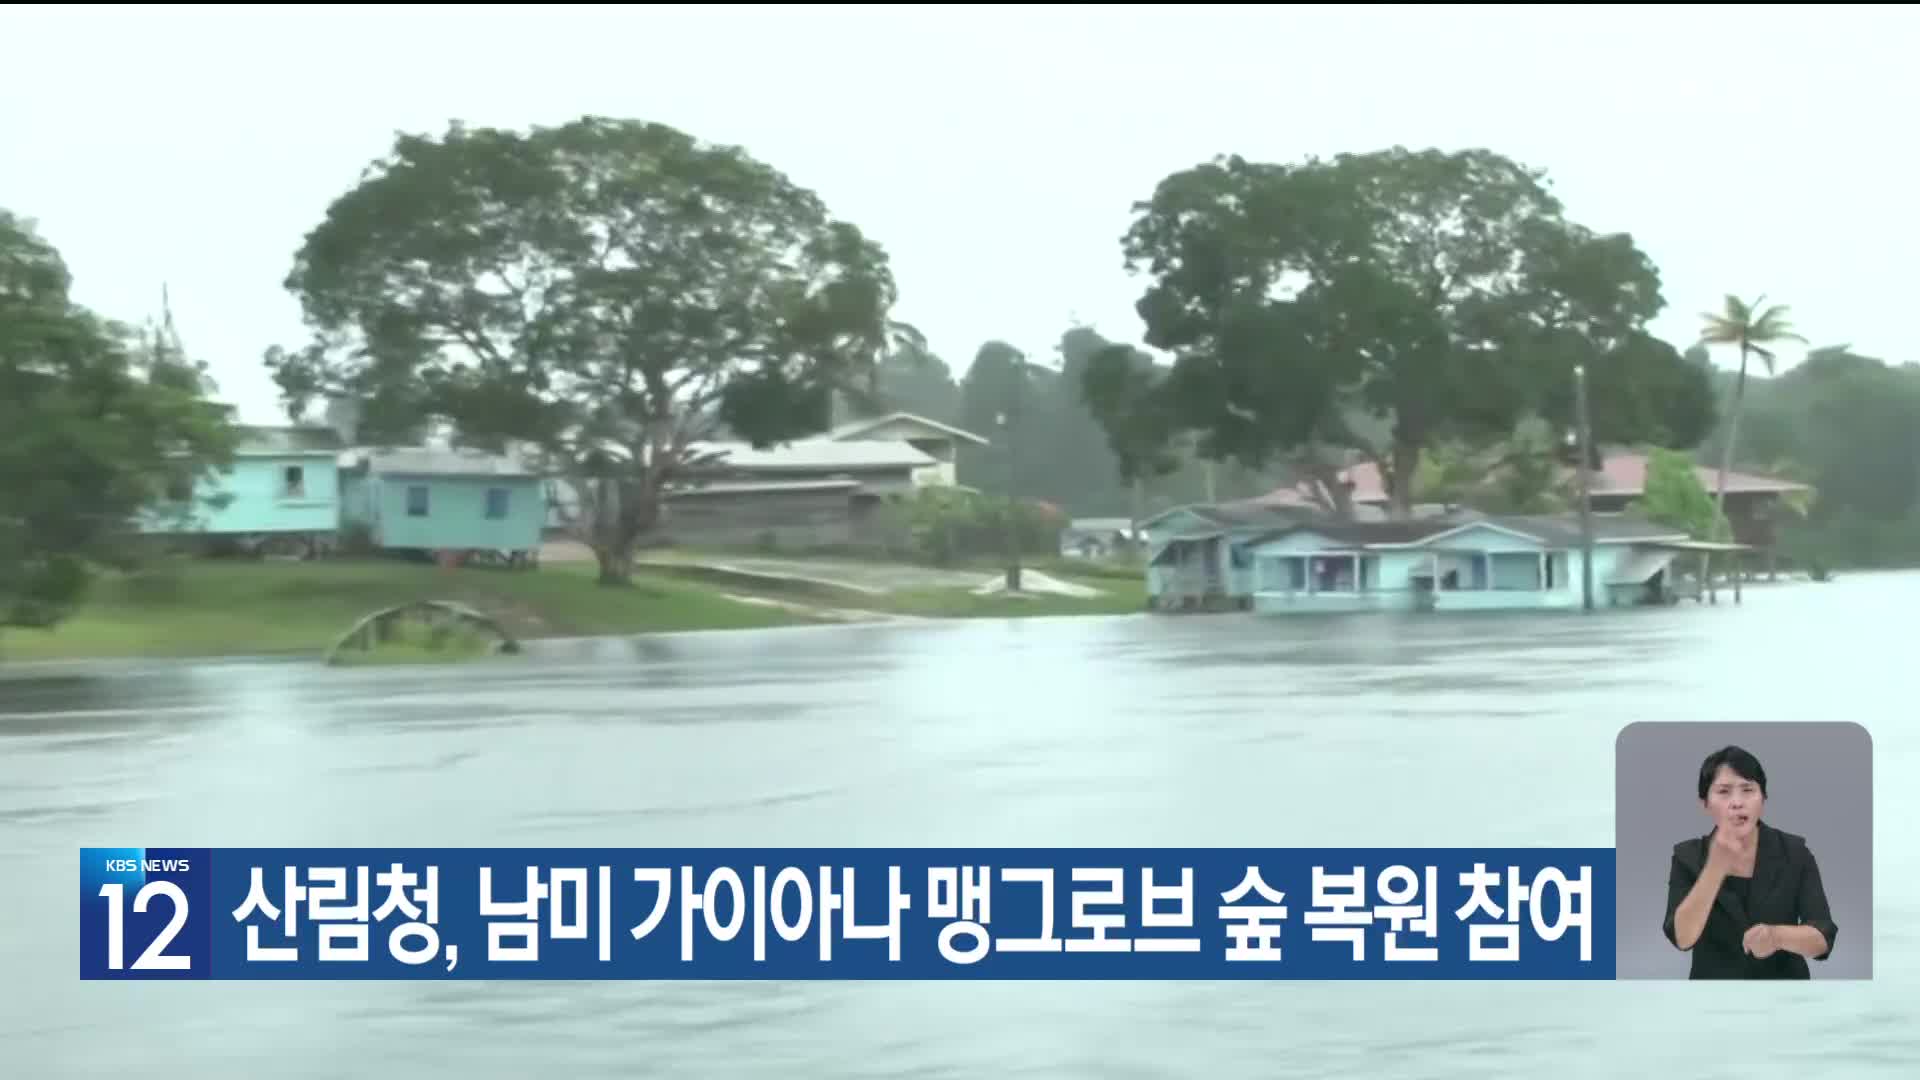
(1586, 487)
(1012, 523)
(1139, 514)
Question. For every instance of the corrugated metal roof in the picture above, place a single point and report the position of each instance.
(764, 487)
(816, 454)
(1383, 532)
(1564, 530)
(286, 440)
(1547, 530)
(1251, 513)
(845, 432)
(430, 462)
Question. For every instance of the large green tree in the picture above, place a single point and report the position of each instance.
(1122, 389)
(99, 424)
(1004, 397)
(606, 292)
(1384, 303)
(1849, 425)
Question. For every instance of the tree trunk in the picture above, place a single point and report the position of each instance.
(616, 564)
(1136, 544)
(623, 510)
(1733, 434)
(1726, 464)
(1406, 461)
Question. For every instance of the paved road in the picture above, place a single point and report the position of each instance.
(875, 575)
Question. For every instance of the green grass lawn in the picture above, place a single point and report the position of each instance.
(240, 607)
(224, 607)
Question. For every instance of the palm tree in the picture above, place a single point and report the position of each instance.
(1755, 331)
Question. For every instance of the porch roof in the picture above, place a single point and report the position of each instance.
(1640, 566)
(1243, 514)
(1194, 537)
(1168, 549)
(1699, 545)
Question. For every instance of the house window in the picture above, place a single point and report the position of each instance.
(496, 503)
(1287, 573)
(417, 500)
(294, 482)
(1335, 573)
(1516, 571)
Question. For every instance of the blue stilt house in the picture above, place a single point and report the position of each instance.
(443, 502)
(280, 493)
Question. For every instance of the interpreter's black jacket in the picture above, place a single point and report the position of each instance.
(1785, 890)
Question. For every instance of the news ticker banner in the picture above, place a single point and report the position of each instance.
(847, 913)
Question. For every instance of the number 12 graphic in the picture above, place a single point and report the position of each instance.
(154, 957)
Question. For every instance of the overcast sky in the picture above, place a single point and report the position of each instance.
(995, 152)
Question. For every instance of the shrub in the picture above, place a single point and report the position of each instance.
(944, 525)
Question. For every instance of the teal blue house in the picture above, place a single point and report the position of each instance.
(1199, 556)
(443, 500)
(281, 489)
(1467, 562)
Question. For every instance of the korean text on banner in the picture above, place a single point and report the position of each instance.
(853, 913)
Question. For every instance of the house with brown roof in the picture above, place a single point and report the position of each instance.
(1752, 502)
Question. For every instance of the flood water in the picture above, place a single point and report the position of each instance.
(1136, 731)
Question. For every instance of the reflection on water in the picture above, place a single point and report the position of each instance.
(1229, 730)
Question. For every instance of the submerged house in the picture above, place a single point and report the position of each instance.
(280, 492)
(1200, 556)
(1469, 562)
(1753, 506)
(444, 500)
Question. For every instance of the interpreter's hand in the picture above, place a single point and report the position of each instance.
(1724, 852)
(1760, 941)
